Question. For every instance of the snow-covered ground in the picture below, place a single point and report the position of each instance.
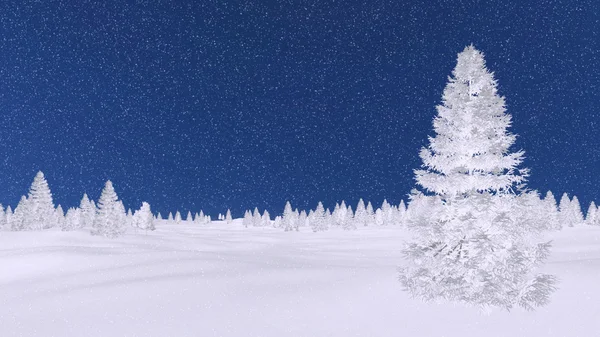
(225, 280)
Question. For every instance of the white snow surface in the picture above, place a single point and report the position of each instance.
(226, 280)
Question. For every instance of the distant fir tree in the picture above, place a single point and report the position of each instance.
(360, 217)
(592, 214)
(8, 213)
(401, 212)
(143, 218)
(386, 210)
(277, 222)
(349, 223)
(159, 216)
(109, 220)
(177, 217)
(130, 222)
(17, 219)
(256, 218)
(228, 218)
(59, 216)
(302, 219)
(72, 219)
(318, 219)
(564, 210)
(473, 225)
(551, 211)
(189, 218)
(40, 208)
(2, 217)
(247, 221)
(379, 217)
(170, 217)
(87, 212)
(288, 220)
(370, 214)
(576, 213)
(266, 219)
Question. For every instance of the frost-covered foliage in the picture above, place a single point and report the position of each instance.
(110, 217)
(474, 222)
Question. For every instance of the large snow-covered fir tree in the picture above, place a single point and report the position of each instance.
(110, 217)
(473, 221)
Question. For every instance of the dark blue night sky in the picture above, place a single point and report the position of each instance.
(225, 104)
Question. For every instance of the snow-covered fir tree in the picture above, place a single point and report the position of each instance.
(318, 219)
(379, 217)
(370, 214)
(473, 226)
(189, 217)
(360, 217)
(8, 213)
(277, 222)
(177, 217)
(143, 218)
(159, 216)
(576, 213)
(266, 219)
(59, 216)
(72, 219)
(17, 218)
(2, 217)
(256, 218)
(401, 212)
(339, 215)
(40, 212)
(564, 211)
(109, 219)
(349, 223)
(591, 217)
(247, 221)
(302, 220)
(288, 220)
(170, 217)
(87, 212)
(129, 219)
(386, 213)
(228, 218)
(551, 211)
